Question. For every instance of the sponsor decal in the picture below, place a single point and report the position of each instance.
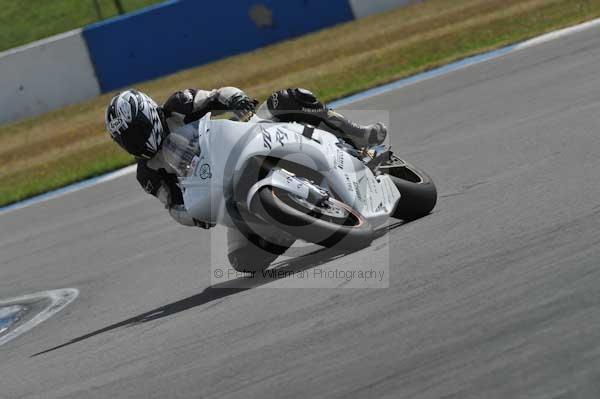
(280, 135)
(116, 125)
(275, 100)
(204, 171)
(339, 159)
(306, 110)
(358, 192)
(266, 139)
(372, 183)
(349, 186)
(381, 207)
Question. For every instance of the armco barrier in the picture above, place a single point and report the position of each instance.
(363, 8)
(45, 75)
(185, 33)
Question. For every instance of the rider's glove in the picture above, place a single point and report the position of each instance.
(242, 105)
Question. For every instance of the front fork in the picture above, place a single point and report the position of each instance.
(289, 182)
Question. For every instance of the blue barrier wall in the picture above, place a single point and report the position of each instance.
(181, 34)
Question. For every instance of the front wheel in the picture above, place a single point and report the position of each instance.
(418, 194)
(330, 224)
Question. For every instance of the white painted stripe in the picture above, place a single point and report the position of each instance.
(59, 299)
(411, 80)
(467, 62)
(340, 103)
(557, 34)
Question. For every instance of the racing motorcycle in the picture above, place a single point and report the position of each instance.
(293, 180)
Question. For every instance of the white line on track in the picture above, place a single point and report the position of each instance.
(464, 63)
(446, 69)
(59, 299)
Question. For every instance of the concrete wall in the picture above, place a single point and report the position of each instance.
(45, 75)
(363, 8)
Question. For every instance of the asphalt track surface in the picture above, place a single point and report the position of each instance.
(496, 294)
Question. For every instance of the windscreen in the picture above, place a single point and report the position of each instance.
(179, 152)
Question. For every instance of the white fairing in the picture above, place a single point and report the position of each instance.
(374, 197)
(226, 146)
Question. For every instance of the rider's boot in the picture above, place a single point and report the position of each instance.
(360, 136)
(300, 105)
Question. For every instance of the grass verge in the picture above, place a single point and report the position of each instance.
(25, 21)
(67, 145)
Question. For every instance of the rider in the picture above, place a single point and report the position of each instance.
(139, 126)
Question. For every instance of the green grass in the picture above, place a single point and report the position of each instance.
(67, 145)
(24, 21)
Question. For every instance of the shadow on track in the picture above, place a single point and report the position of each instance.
(316, 257)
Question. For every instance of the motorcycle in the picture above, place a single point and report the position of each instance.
(293, 180)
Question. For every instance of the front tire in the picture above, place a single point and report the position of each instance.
(334, 224)
(418, 194)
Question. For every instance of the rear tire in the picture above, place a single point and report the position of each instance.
(336, 225)
(418, 194)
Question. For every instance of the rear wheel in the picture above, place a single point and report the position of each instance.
(331, 224)
(418, 194)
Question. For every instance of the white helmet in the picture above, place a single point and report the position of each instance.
(136, 123)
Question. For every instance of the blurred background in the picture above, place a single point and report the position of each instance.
(63, 59)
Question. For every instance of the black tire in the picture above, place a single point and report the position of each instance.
(418, 194)
(348, 232)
